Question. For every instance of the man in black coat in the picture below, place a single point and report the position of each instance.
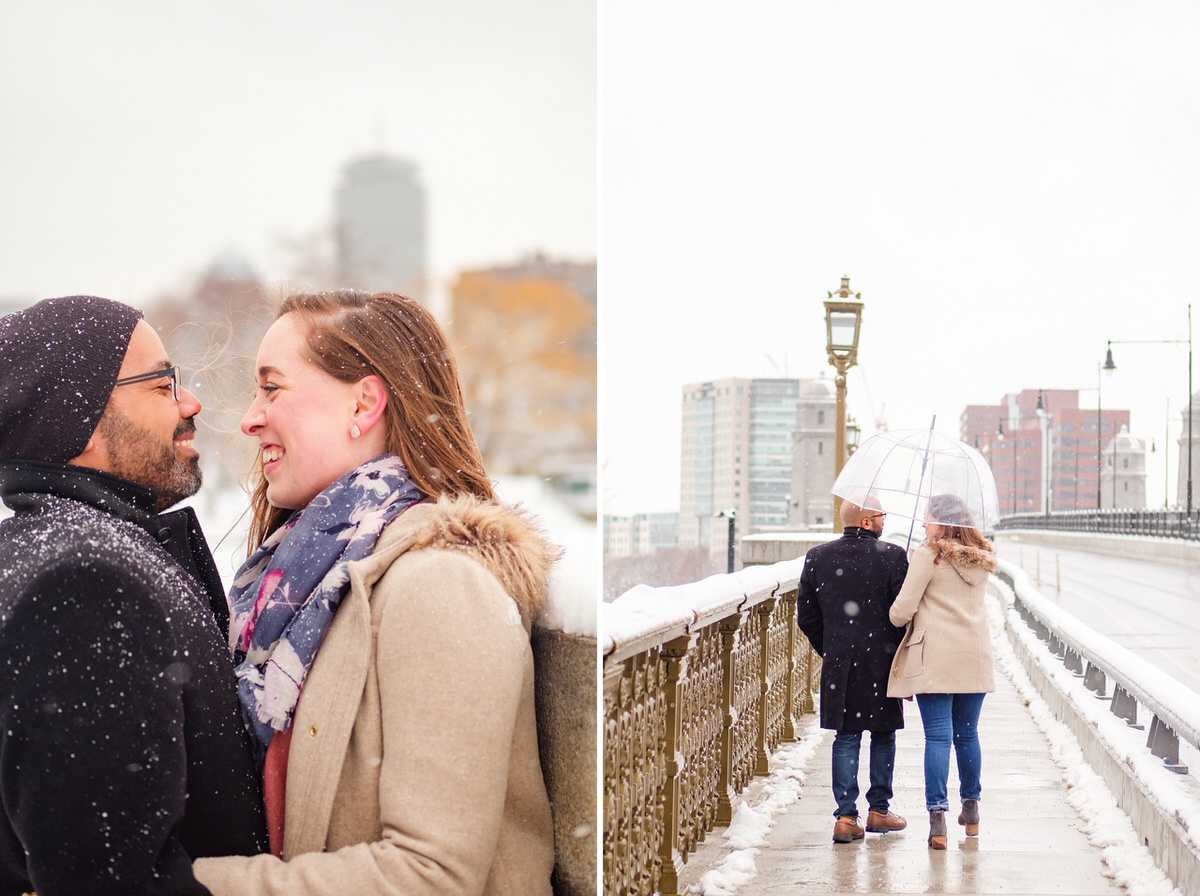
(846, 588)
(122, 752)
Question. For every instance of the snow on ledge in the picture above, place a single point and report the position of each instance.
(643, 610)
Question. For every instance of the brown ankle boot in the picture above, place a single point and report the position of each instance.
(883, 822)
(847, 828)
(970, 817)
(937, 829)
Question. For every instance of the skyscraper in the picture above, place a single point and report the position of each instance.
(380, 226)
(737, 455)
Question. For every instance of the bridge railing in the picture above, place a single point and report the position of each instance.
(1160, 523)
(701, 683)
(1163, 808)
(1174, 710)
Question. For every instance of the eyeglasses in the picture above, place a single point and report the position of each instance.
(172, 372)
(874, 516)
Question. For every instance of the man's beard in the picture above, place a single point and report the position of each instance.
(135, 454)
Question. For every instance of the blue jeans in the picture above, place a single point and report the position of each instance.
(846, 746)
(951, 718)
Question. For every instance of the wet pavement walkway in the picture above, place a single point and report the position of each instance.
(1031, 840)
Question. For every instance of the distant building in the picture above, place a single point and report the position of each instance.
(1123, 480)
(809, 503)
(737, 439)
(212, 330)
(1048, 460)
(1181, 496)
(380, 226)
(642, 533)
(525, 338)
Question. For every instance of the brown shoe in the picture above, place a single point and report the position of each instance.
(882, 822)
(937, 829)
(969, 817)
(847, 828)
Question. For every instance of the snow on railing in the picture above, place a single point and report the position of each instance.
(1175, 709)
(701, 683)
(1070, 664)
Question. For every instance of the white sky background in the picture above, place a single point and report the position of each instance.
(1009, 185)
(140, 139)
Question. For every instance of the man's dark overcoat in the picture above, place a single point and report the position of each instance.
(122, 751)
(846, 589)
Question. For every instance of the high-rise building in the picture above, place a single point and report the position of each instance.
(380, 226)
(736, 456)
(1048, 460)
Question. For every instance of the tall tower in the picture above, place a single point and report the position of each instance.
(737, 455)
(809, 503)
(380, 226)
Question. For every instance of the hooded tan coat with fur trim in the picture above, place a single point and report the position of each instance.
(414, 759)
(948, 646)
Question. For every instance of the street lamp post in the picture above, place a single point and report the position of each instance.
(731, 515)
(1000, 433)
(1110, 366)
(843, 319)
(1045, 419)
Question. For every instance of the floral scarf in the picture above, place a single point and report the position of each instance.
(286, 593)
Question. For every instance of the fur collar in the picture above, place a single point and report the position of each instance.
(504, 538)
(962, 556)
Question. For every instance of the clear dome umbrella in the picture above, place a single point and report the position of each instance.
(899, 471)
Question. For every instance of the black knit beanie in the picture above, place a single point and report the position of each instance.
(58, 362)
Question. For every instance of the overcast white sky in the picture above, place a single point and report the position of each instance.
(1009, 185)
(140, 139)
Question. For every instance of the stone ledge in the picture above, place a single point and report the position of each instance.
(566, 684)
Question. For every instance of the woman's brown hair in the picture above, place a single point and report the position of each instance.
(951, 514)
(355, 334)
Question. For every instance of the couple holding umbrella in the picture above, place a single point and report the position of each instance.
(889, 626)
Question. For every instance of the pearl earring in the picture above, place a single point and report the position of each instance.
(355, 432)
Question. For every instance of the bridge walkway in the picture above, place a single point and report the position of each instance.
(1031, 840)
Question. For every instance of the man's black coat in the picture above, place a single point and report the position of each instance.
(122, 751)
(846, 588)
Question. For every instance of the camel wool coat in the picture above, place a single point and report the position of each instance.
(414, 759)
(948, 646)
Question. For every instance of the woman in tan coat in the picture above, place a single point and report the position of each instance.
(945, 659)
(381, 623)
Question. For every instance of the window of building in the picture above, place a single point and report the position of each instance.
(820, 447)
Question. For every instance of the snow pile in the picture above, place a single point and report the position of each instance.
(755, 815)
(574, 601)
(1107, 826)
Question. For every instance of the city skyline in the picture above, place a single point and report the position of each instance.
(1008, 186)
(155, 142)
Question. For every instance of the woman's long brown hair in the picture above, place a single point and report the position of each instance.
(354, 334)
(952, 507)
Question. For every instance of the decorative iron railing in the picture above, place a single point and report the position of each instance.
(1161, 523)
(701, 684)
